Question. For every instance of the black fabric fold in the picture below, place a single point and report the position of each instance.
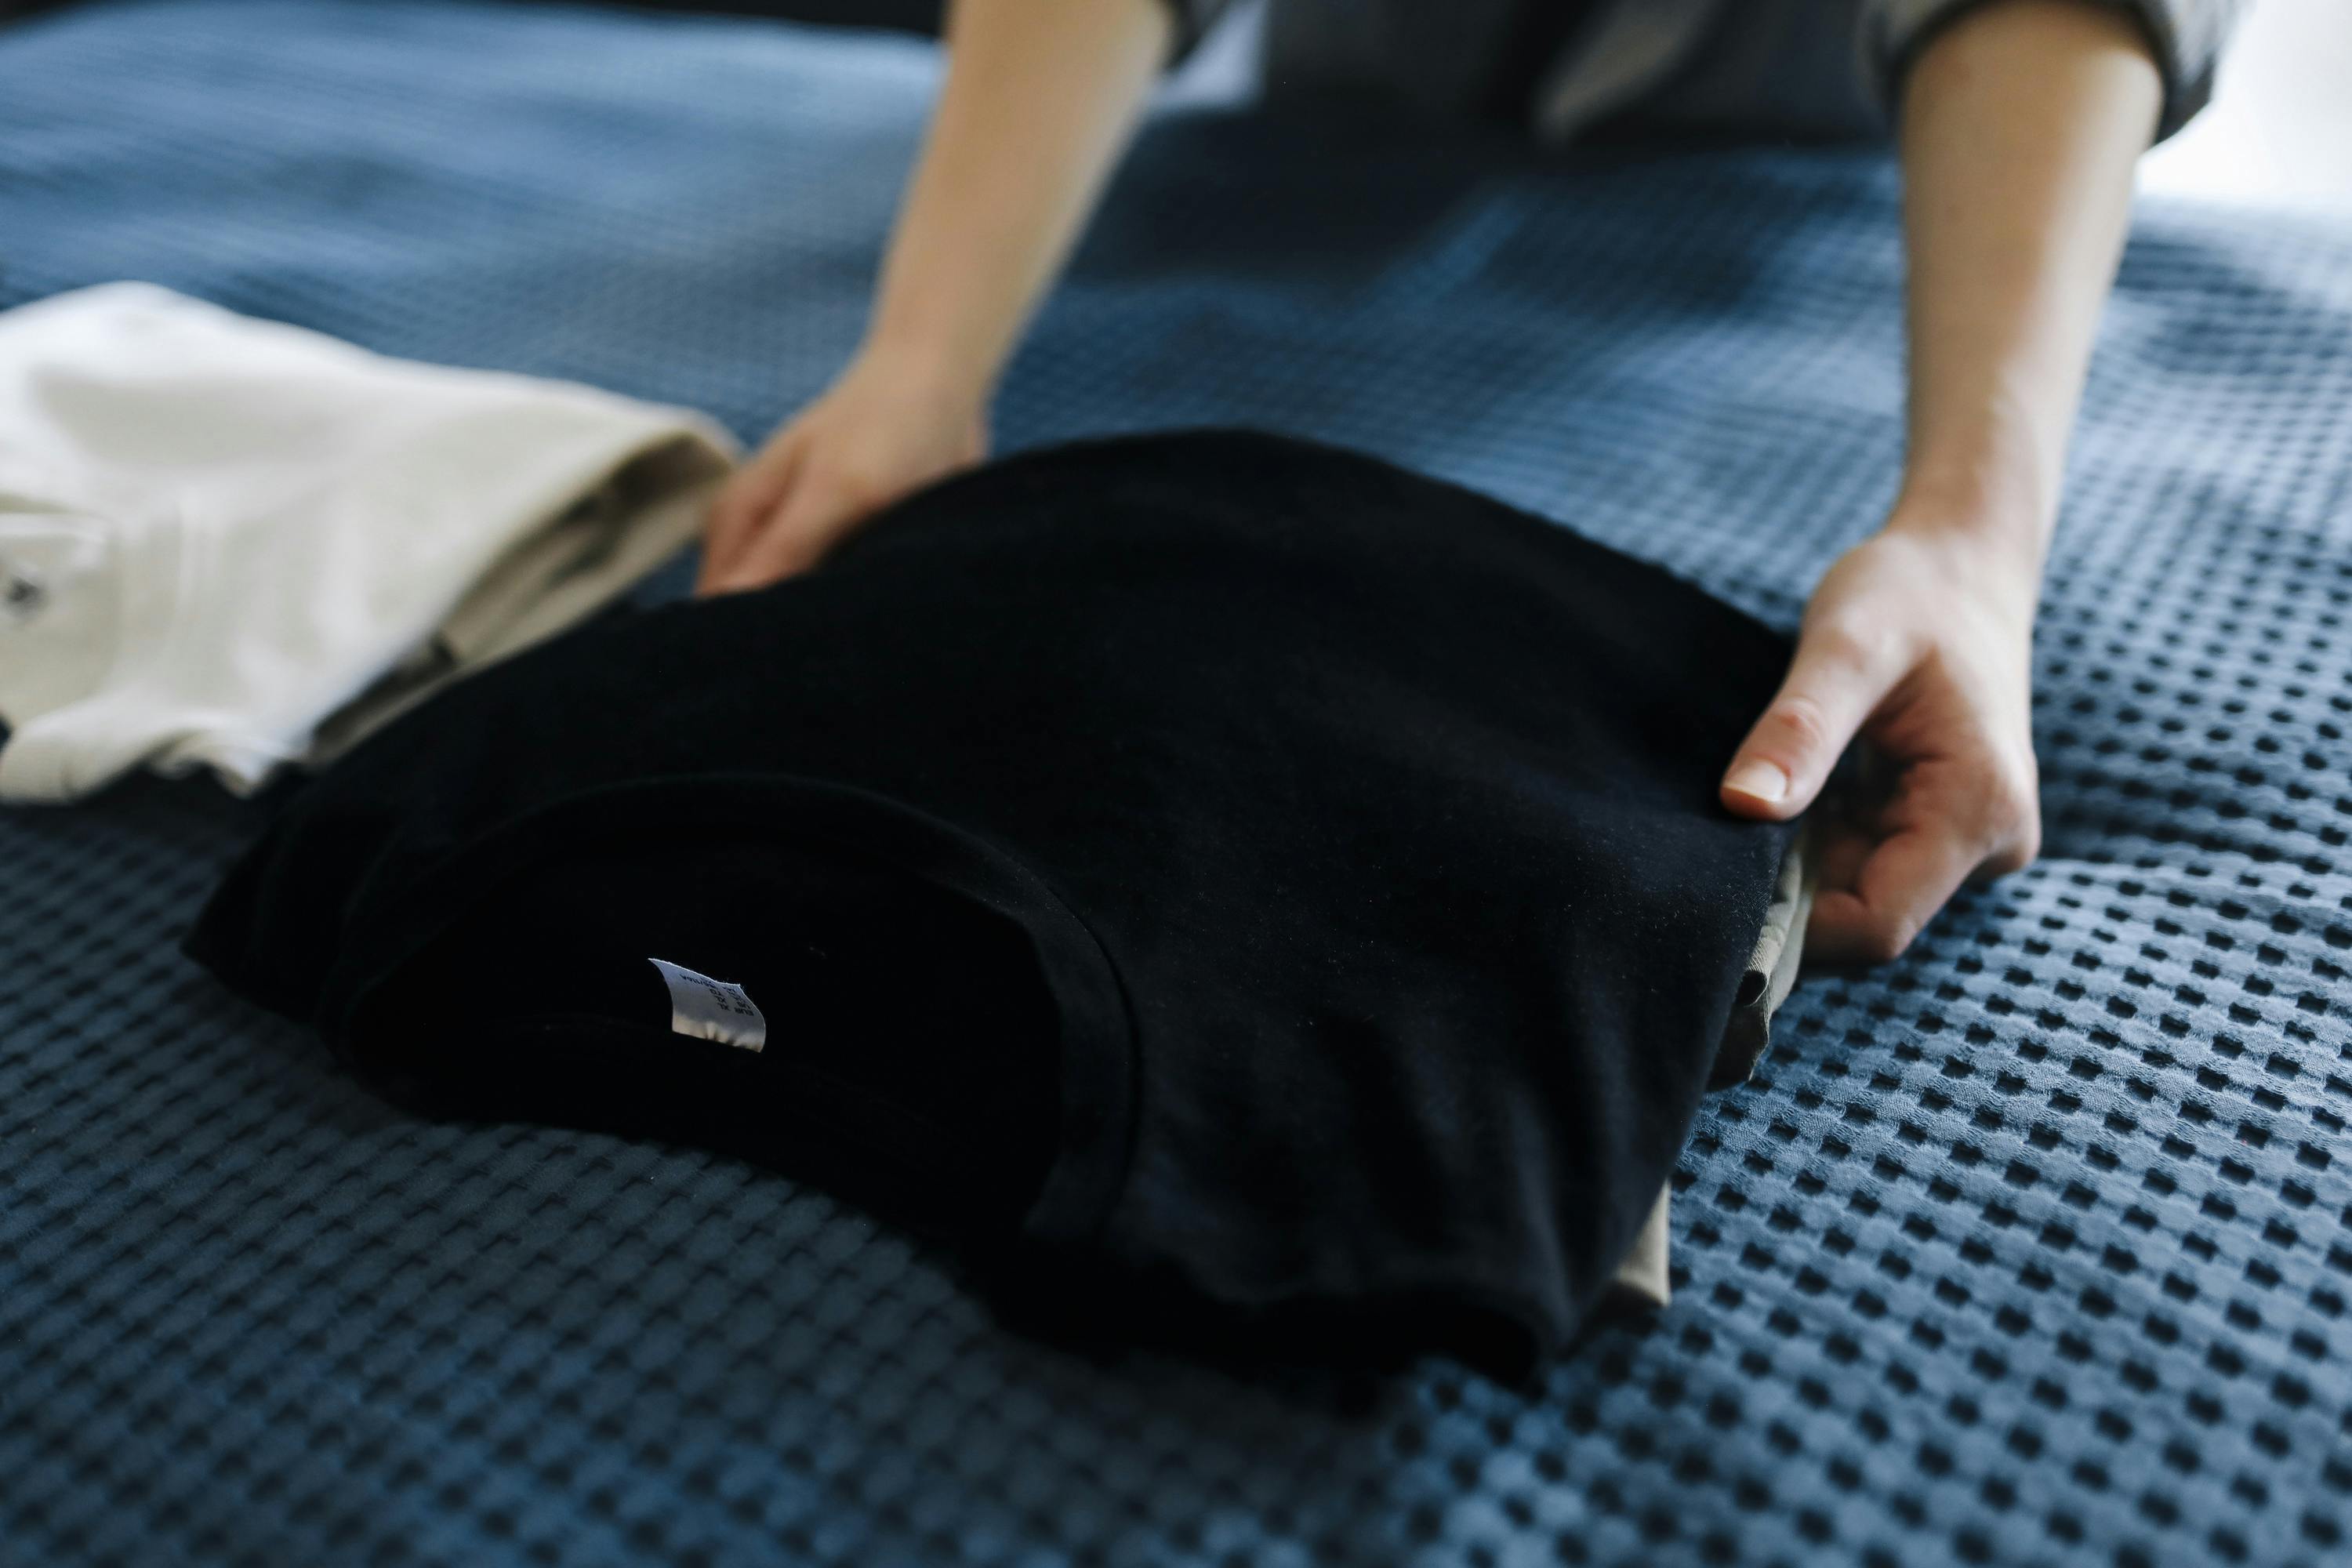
(1306, 877)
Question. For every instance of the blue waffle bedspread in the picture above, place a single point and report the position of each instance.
(2033, 1246)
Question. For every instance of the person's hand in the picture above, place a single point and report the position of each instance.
(1919, 640)
(878, 433)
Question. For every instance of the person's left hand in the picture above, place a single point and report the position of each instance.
(1919, 640)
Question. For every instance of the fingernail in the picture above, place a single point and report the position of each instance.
(1758, 780)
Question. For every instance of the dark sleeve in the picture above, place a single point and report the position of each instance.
(2187, 35)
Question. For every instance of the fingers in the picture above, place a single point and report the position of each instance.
(1947, 826)
(790, 538)
(873, 436)
(1835, 683)
(1903, 881)
(742, 506)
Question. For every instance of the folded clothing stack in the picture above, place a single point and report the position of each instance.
(238, 545)
(1208, 860)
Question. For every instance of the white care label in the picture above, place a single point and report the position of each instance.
(712, 1009)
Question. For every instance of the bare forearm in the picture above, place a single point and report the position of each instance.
(2021, 126)
(1040, 98)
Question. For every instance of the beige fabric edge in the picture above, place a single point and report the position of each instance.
(1640, 1281)
(650, 507)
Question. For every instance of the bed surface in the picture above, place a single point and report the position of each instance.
(2033, 1247)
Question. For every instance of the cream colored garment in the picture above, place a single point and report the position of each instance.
(1641, 1278)
(232, 543)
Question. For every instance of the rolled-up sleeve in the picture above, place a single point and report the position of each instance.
(1194, 19)
(2187, 37)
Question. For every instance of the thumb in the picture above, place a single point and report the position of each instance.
(1833, 684)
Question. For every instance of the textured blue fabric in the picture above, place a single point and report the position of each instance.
(2033, 1246)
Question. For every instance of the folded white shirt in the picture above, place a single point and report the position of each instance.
(235, 544)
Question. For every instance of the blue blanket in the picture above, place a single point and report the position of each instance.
(2034, 1246)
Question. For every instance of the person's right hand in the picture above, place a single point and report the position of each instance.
(877, 434)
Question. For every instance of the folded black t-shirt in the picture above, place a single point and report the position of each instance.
(1211, 859)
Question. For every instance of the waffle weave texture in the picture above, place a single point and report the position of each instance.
(2033, 1247)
